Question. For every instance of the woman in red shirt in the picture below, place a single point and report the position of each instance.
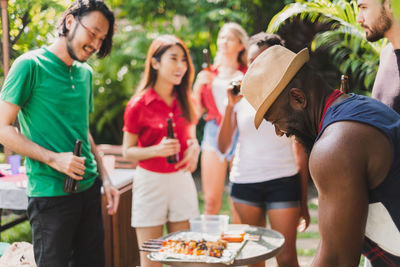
(163, 193)
(211, 92)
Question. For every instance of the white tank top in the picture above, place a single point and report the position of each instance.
(260, 154)
(220, 88)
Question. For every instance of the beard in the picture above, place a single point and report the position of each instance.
(296, 122)
(306, 141)
(70, 49)
(377, 31)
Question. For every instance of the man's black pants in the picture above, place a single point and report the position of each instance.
(68, 230)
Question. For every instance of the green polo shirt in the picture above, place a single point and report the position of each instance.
(55, 101)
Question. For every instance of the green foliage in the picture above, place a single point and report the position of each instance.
(17, 233)
(396, 8)
(31, 25)
(195, 21)
(344, 40)
(115, 79)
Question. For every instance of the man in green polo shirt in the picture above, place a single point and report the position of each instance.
(50, 89)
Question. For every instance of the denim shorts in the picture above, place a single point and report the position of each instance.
(279, 193)
(210, 141)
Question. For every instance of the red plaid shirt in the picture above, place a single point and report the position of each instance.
(379, 257)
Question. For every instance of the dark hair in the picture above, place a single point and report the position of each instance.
(308, 80)
(184, 89)
(266, 39)
(81, 8)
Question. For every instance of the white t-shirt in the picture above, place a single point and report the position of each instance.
(220, 88)
(260, 154)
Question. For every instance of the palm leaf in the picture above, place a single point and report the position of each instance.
(344, 40)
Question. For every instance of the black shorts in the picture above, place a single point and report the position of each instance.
(68, 230)
(275, 194)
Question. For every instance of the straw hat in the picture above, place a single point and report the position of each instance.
(268, 75)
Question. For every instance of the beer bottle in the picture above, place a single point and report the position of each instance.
(236, 87)
(70, 184)
(170, 134)
(344, 84)
(207, 59)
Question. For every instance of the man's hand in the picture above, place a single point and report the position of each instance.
(112, 195)
(69, 164)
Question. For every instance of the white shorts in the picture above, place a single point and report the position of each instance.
(158, 198)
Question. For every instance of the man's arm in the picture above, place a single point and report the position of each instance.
(112, 193)
(348, 160)
(10, 137)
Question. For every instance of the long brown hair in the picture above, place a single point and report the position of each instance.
(184, 89)
(241, 34)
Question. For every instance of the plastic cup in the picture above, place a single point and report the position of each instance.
(15, 163)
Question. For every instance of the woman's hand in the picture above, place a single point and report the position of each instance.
(204, 77)
(167, 147)
(190, 157)
(232, 98)
(304, 220)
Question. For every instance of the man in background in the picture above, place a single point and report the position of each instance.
(376, 17)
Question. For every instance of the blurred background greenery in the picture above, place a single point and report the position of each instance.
(328, 28)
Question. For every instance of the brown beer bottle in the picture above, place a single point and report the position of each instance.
(70, 184)
(236, 87)
(170, 134)
(207, 59)
(344, 84)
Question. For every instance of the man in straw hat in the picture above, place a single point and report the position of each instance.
(354, 147)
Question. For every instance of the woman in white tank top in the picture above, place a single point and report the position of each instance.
(265, 177)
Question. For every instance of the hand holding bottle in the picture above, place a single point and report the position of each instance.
(69, 164)
(234, 95)
(167, 147)
(70, 183)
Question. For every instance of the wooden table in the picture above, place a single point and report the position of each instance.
(268, 245)
(121, 248)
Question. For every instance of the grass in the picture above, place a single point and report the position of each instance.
(306, 252)
(20, 232)
(308, 235)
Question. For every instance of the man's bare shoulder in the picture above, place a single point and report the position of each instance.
(348, 149)
(338, 139)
